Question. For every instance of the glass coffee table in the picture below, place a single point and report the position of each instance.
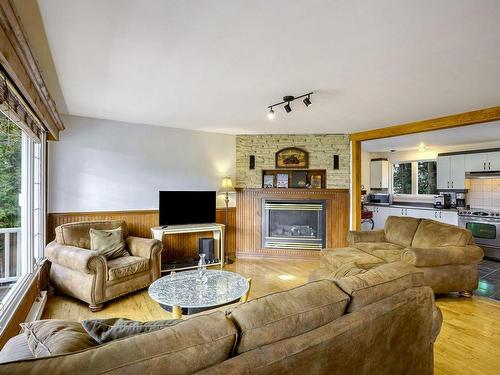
(183, 293)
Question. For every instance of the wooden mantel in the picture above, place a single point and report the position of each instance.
(249, 213)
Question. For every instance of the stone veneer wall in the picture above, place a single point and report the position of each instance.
(321, 149)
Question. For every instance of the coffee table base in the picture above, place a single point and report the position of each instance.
(178, 311)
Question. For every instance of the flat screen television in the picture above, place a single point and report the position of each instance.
(187, 207)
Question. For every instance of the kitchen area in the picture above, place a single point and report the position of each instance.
(437, 175)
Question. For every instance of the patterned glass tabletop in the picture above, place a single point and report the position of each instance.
(184, 289)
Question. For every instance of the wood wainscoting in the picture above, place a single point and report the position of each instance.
(249, 225)
(140, 223)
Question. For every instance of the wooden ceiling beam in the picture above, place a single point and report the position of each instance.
(446, 122)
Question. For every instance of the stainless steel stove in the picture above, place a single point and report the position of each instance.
(485, 227)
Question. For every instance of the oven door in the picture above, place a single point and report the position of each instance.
(485, 231)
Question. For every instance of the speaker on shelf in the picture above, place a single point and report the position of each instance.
(335, 162)
(206, 246)
(252, 162)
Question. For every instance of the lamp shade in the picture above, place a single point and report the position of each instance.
(226, 185)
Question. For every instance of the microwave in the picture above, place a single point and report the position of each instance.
(383, 198)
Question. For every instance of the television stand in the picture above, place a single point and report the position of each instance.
(217, 230)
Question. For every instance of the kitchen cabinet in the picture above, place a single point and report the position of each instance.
(480, 162)
(381, 213)
(451, 172)
(379, 174)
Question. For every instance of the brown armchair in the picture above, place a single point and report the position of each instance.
(89, 276)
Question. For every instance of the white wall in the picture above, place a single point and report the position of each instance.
(101, 165)
(365, 169)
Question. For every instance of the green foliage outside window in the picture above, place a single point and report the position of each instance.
(402, 178)
(10, 173)
(427, 177)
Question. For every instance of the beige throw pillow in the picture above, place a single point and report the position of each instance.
(50, 337)
(109, 243)
(105, 330)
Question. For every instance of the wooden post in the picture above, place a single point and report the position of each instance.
(176, 312)
(356, 185)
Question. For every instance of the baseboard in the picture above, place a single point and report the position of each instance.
(276, 255)
(36, 310)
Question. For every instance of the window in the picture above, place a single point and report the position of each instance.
(22, 211)
(415, 178)
(427, 177)
(401, 178)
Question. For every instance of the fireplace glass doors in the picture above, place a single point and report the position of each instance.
(293, 224)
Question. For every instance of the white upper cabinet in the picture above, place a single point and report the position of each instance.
(457, 171)
(451, 172)
(379, 174)
(443, 172)
(494, 161)
(476, 162)
(485, 161)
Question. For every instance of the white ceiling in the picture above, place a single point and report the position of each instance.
(216, 65)
(439, 139)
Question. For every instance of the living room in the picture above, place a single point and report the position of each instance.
(234, 187)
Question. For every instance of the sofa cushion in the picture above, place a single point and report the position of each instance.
(379, 282)
(109, 243)
(400, 230)
(16, 349)
(56, 336)
(326, 273)
(286, 314)
(384, 250)
(105, 330)
(442, 256)
(126, 266)
(431, 233)
(78, 234)
(187, 347)
(343, 259)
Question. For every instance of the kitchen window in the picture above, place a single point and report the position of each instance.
(414, 178)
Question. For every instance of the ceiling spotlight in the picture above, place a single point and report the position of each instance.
(270, 114)
(287, 100)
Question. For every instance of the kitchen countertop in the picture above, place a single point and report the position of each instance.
(416, 205)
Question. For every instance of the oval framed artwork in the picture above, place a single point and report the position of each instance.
(292, 157)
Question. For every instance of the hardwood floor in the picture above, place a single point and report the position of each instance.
(469, 342)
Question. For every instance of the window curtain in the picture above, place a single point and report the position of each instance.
(16, 109)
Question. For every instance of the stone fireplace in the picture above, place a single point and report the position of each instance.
(298, 224)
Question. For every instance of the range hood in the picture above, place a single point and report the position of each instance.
(483, 174)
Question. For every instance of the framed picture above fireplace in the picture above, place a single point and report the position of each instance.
(292, 157)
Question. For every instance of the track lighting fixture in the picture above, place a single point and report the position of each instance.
(307, 101)
(270, 114)
(288, 99)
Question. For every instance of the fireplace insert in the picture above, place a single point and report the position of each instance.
(293, 224)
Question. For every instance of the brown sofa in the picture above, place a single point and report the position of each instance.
(446, 254)
(84, 274)
(381, 321)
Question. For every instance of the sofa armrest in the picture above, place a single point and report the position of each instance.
(143, 247)
(441, 256)
(437, 321)
(75, 258)
(365, 236)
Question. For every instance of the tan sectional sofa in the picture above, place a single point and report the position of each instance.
(446, 254)
(84, 274)
(382, 321)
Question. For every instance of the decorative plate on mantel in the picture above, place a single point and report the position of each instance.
(292, 157)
